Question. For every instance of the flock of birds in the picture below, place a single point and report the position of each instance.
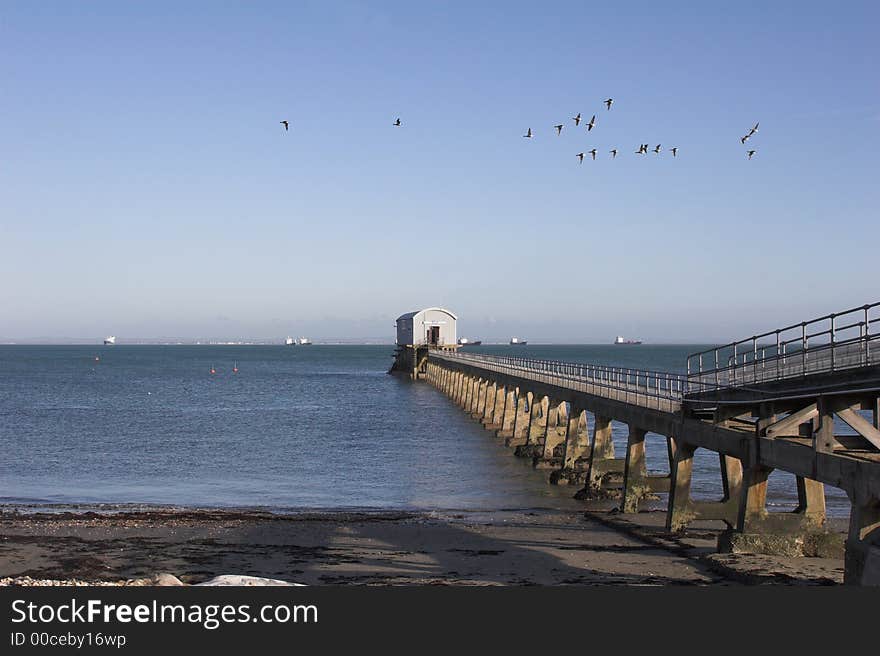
(642, 149)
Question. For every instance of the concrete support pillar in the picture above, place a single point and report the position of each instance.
(753, 502)
(604, 467)
(493, 421)
(635, 471)
(475, 395)
(522, 419)
(811, 500)
(509, 413)
(482, 392)
(682, 509)
(489, 405)
(862, 560)
(557, 428)
(538, 421)
(577, 438)
(538, 417)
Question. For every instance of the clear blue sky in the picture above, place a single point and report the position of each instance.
(147, 188)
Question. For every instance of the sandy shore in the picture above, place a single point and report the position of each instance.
(492, 548)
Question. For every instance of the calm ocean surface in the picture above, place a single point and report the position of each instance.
(317, 427)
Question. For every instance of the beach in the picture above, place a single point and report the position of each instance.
(512, 547)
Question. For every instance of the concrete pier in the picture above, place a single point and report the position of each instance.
(560, 416)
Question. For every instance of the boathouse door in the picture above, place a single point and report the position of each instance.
(434, 335)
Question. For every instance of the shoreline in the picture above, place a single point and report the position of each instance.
(382, 547)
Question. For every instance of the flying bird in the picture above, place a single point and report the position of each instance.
(558, 129)
(397, 123)
(580, 157)
(286, 125)
(657, 149)
(528, 135)
(743, 140)
(593, 153)
(577, 119)
(609, 102)
(592, 123)
(674, 151)
(753, 130)
(751, 152)
(643, 149)
(613, 153)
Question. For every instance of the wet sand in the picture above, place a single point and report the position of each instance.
(493, 548)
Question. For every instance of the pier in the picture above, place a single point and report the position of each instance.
(764, 403)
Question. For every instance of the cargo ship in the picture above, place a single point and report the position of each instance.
(516, 341)
(620, 341)
(110, 341)
(464, 341)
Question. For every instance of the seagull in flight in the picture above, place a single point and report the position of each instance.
(558, 129)
(609, 102)
(528, 135)
(657, 149)
(577, 119)
(286, 125)
(674, 151)
(397, 123)
(751, 152)
(745, 138)
(580, 157)
(593, 153)
(643, 149)
(753, 130)
(592, 123)
(613, 152)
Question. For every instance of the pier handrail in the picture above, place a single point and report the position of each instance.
(846, 340)
(633, 385)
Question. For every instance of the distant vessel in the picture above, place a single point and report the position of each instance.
(304, 341)
(516, 341)
(290, 341)
(110, 341)
(464, 341)
(621, 341)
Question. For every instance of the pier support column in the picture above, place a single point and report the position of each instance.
(575, 458)
(635, 473)
(480, 406)
(509, 413)
(797, 533)
(605, 473)
(459, 387)
(554, 439)
(862, 560)
(682, 509)
(493, 420)
(522, 419)
(538, 417)
(473, 383)
(488, 403)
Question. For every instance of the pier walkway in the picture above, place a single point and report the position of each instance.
(764, 403)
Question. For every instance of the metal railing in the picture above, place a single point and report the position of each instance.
(660, 390)
(835, 342)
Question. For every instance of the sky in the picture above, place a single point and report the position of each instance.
(147, 188)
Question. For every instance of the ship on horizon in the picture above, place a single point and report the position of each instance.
(110, 341)
(516, 341)
(620, 341)
(464, 341)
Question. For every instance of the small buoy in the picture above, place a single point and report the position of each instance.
(235, 368)
(213, 371)
(97, 359)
